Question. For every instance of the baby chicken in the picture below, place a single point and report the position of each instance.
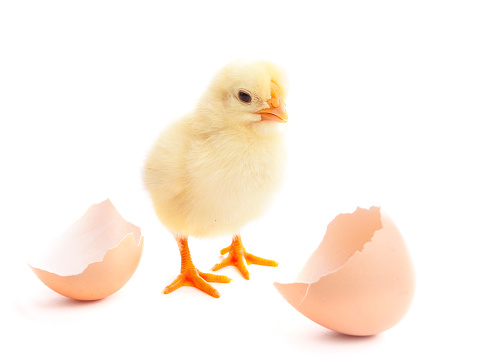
(217, 168)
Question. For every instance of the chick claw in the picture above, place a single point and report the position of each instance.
(194, 278)
(190, 276)
(240, 258)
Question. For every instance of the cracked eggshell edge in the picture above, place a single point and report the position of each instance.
(99, 279)
(367, 295)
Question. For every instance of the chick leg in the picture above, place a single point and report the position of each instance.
(190, 276)
(240, 258)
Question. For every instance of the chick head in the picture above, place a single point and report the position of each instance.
(250, 94)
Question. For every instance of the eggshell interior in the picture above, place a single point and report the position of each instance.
(94, 258)
(360, 280)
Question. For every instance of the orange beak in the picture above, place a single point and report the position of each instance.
(277, 108)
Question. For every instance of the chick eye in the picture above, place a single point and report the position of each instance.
(245, 97)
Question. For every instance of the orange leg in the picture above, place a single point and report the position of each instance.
(240, 258)
(190, 276)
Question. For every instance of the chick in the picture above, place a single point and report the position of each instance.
(216, 169)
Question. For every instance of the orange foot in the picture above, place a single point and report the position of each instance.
(190, 276)
(238, 256)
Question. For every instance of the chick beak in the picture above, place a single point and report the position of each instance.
(277, 108)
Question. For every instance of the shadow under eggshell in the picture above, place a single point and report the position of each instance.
(99, 279)
(360, 280)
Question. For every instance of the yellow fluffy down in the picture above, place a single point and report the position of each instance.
(217, 168)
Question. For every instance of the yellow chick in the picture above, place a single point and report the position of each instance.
(217, 168)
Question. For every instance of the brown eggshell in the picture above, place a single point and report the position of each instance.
(95, 257)
(99, 279)
(360, 280)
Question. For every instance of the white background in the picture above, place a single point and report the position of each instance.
(383, 106)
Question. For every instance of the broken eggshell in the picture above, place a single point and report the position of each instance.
(360, 280)
(94, 258)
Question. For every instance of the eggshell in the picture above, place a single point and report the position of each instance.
(360, 280)
(94, 258)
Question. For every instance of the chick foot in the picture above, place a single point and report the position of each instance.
(240, 258)
(190, 276)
